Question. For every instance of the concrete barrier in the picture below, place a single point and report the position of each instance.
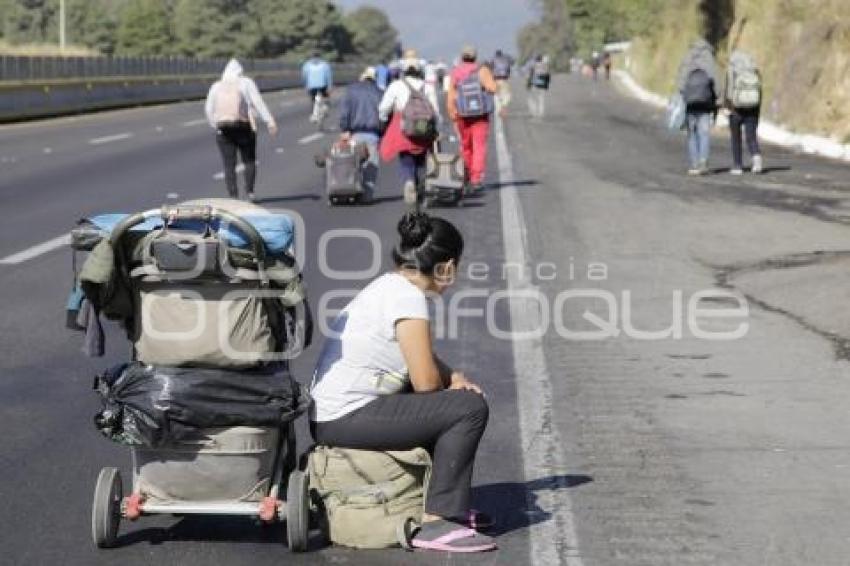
(38, 99)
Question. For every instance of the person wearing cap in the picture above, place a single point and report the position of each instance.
(411, 153)
(359, 122)
(473, 131)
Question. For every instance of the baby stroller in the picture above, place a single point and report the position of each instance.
(210, 297)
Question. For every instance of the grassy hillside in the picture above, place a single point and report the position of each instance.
(802, 46)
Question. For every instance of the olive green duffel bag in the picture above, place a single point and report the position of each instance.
(365, 496)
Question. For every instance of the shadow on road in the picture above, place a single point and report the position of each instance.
(518, 183)
(765, 171)
(513, 505)
(207, 529)
(289, 198)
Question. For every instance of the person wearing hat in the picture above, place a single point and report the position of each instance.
(359, 122)
(473, 131)
(411, 153)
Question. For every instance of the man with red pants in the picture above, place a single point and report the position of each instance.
(470, 103)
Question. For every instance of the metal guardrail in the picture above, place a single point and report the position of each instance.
(131, 81)
(16, 68)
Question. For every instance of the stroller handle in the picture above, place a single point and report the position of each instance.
(203, 213)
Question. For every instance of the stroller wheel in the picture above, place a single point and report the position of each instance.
(106, 507)
(297, 511)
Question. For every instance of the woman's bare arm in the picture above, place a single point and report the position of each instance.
(414, 338)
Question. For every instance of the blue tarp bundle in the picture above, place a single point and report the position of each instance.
(277, 230)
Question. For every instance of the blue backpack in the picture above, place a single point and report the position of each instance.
(473, 101)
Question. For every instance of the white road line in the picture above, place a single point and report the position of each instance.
(220, 175)
(311, 138)
(194, 123)
(553, 541)
(107, 139)
(35, 251)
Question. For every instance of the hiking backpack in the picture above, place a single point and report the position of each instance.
(364, 496)
(540, 75)
(228, 107)
(746, 88)
(699, 89)
(501, 68)
(473, 100)
(418, 118)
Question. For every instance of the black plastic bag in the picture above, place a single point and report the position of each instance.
(154, 406)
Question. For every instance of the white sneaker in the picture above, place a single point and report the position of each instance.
(737, 171)
(694, 172)
(758, 165)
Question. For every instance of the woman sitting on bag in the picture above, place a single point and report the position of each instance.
(379, 385)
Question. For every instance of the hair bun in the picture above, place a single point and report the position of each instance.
(414, 228)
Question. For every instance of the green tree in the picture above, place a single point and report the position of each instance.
(553, 35)
(30, 21)
(373, 37)
(215, 28)
(295, 29)
(93, 23)
(145, 29)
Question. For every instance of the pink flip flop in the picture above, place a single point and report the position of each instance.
(457, 539)
(479, 521)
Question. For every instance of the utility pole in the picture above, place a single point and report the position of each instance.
(62, 26)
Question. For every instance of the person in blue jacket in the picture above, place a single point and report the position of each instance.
(317, 76)
(382, 76)
(359, 122)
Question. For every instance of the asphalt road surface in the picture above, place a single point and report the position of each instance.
(655, 444)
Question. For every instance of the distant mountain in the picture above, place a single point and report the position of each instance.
(439, 28)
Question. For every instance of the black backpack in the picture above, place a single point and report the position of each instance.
(699, 89)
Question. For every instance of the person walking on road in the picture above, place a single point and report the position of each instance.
(538, 85)
(606, 64)
(379, 385)
(469, 105)
(697, 80)
(232, 106)
(501, 66)
(360, 122)
(318, 80)
(409, 88)
(382, 76)
(742, 94)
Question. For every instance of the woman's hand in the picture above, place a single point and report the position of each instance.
(460, 382)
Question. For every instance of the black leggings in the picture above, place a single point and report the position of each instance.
(231, 138)
(448, 423)
(749, 121)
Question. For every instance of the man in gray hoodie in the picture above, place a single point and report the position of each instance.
(697, 82)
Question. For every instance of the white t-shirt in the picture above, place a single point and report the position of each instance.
(362, 358)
